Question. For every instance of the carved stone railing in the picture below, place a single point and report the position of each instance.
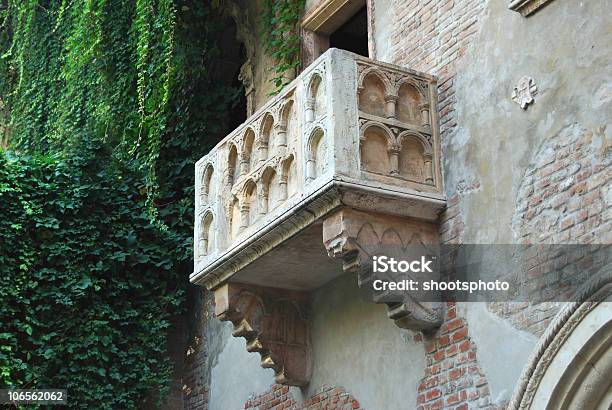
(351, 143)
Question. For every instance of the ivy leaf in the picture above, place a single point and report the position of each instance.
(84, 283)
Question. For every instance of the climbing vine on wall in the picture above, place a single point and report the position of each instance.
(280, 22)
(108, 103)
(104, 67)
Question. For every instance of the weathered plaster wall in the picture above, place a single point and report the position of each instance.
(564, 47)
(220, 373)
(488, 331)
(340, 344)
(382, 30)
(235, 374)
(354, 342)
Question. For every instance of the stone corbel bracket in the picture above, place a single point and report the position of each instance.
(274, 323)
(355, 237)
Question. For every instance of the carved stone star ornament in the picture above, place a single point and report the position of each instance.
(524, 91)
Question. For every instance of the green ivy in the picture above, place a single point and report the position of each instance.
(109, 103)
(280, 22)
(88, 284)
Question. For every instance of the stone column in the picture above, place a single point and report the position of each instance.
(244, 164)
(262, 149)
(262, 198)
(283, 187)
(424, 114)
(229, 177)
(309, 114)
(203, 247)
(428, 169)
(390, 103)
(310, 170)
(244, 217)
(394, 151)
(281, 135)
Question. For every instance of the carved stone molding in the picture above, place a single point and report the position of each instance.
(355, 237)
(595, 292)
(274, 323)
(527, 7)
(329, 15)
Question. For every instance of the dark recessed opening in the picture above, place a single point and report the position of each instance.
(352, 35)
(232, 55)
(238, 114)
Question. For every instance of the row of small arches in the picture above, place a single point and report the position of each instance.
(409, 155)
(265, 190)
(255, 146)
(406, 101)
(255, 198)
(262, 194)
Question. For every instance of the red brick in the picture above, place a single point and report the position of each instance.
(454, 324)
(455, 374)
(433, 394)
(452, 399)
(439, 355)
(460, 334)
(438, 404)
(443, 341)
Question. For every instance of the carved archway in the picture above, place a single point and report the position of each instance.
(571, 368)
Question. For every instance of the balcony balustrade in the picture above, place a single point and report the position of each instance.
(345, 158)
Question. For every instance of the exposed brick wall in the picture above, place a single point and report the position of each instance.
(279, 397)
(176, 344)
(432, 36)
(561, 200)
(195, 379)
(562, 196)
(451, 226)
(453, 378)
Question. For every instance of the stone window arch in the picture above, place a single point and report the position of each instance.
(410, 104)
(377, 149)
(571, 364)
(232, 164)
(205, 240)
(270, 191)
(315, 98)
(285, 125)
(288, 177)
(415, 160)
(206, 180)
(248, 204)
(247, 159)
(374, 92)
(266, 144)
(315, 154)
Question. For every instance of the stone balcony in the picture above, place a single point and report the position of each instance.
(343, 160)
